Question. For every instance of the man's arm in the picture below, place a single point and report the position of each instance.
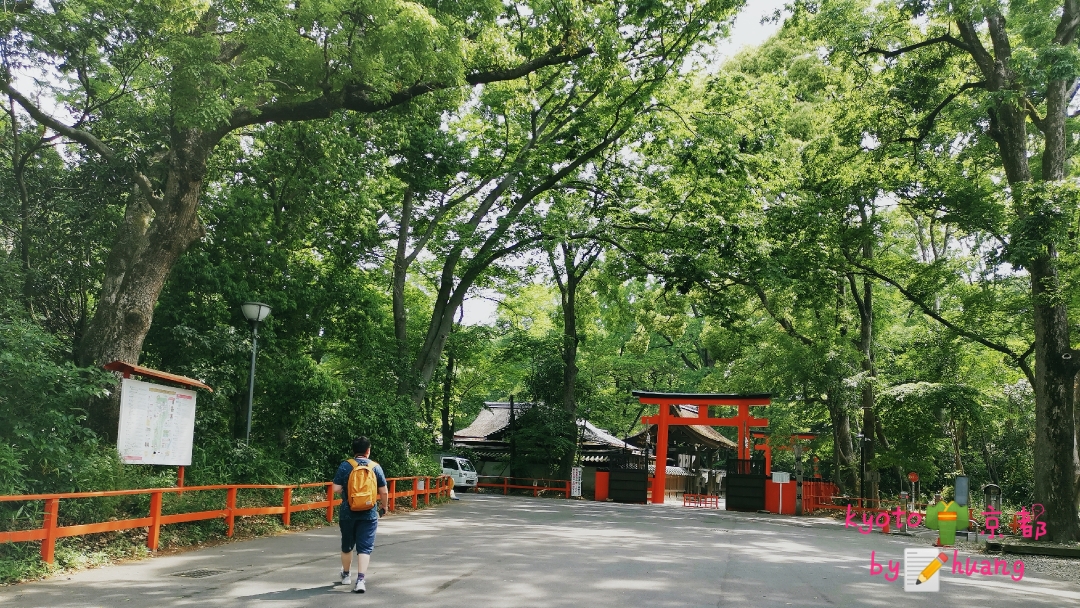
(384, 497)
(337, 489)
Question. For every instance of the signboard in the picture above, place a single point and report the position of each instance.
(157, 424)
(575, 481)
(913, 477)
(781, 477)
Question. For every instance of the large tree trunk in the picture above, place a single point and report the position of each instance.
(149, 242)
(448, 384)
(865, 304)
(843, 456)
(401, 268)
(1055, 433)
(569, 348)
(570, 338)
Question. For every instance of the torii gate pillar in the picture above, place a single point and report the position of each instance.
(743, 421)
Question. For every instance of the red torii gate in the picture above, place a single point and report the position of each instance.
(765, 447)
(743, 421)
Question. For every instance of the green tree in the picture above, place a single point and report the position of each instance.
(992, 71)
(155, 88)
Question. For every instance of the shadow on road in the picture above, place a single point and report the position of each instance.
(296, 595)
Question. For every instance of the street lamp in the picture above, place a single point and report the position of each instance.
(863, 440)
(255, 312)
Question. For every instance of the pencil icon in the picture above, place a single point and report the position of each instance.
(932, 568)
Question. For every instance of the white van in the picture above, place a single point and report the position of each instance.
(461, 470)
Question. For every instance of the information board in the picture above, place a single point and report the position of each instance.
(575, 481)
(157, 424)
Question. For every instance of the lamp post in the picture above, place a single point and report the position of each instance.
(863, 440)
(255, 312)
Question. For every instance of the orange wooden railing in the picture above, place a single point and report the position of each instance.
(701, 501)
(51, 530)
(507, 484)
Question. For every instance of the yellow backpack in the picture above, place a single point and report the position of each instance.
(363, 485)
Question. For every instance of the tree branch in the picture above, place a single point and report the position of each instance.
(1019, 359)
(931, 118)
(976, 49)
(83, 138)
(945, 38)
(358, 99)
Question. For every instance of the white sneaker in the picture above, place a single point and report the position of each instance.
(345, 579)
(360, 586)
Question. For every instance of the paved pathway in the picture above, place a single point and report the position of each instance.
(497, 551)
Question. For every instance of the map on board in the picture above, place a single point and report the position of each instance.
(157, 424)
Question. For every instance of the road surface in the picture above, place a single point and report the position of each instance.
(490, 550)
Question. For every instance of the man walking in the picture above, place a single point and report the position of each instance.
(364, 497)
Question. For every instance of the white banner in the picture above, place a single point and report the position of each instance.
(157, 424)
(575, 481)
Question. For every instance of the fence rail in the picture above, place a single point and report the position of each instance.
(701, 501)
(507, 484)
(50, 530)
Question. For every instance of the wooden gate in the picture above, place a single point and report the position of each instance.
(629, 479)
(745, 485)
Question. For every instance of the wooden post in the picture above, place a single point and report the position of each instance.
(427, 491)
(154, 532)
(390, 500)
(568, 488)
(48, 544)
(505, 489)
(330, 503)
(286, 517)
(414, 490)
(180, 477)
(230, 506)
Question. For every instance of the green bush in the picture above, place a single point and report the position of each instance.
(40, 396)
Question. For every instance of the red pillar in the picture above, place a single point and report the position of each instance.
(659, 479)
(744, 431)
(768, 455)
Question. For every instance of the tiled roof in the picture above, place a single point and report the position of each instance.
(705, 435)
(494, 418)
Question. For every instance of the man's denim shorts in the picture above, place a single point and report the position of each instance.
(359, 533)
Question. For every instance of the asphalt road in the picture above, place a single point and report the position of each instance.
(489, 550)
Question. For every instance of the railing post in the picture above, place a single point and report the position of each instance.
(287, 504)
(48, 544)
(392, 498)
(568, 489)
(330, 503)
(154, 532)
(230, 507)
(414, 490)
(505, 489)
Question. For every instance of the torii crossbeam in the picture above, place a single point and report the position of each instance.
(743, 421)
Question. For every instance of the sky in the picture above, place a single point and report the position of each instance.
(747, 31)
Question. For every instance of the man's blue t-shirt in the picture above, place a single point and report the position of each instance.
(341, 478)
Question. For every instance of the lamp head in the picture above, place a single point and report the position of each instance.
(255, 311)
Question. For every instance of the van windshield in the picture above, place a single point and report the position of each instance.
(449, 463)
(466, 465)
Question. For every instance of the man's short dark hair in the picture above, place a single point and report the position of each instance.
(360, 445)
